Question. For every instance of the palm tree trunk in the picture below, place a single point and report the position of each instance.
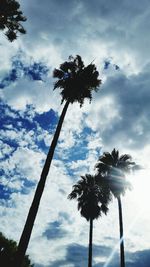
(25, 237)
(90, 243)
(122, 256)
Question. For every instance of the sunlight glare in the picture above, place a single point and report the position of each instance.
(140, 192)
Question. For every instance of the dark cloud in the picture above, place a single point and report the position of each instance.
(58, 19)
(77, 255)
(131, 100)
(139, 259)
(114, 9)
(54, 231)
(122, 25)
(135, 259)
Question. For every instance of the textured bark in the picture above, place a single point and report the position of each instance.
(26, 234)
(122, 256)
(90, 243)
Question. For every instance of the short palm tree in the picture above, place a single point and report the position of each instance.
(111, 171)
(92, 201)
(76, 83)
(10, 19)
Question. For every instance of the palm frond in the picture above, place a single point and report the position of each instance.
(104, 209)
(78, 81)
(58, 73)
(115, 155)
(107, 159)
(101, 168)
(90, 197)
(112, 169)
(125, 157)
(72, 195)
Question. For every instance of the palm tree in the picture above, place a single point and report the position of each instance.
(76, 83)
(111, 171)
(10, 18)
(92, 201)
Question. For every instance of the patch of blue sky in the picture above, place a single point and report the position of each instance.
(27, 186)
(78, 152)
(5, 193)
(116, 67)
(80, 149)
(6, 190)
(47, 120)
(13, 144)
(106, 64)
(36, 71)
(7, 110)
(24, 122)
(42, 146)
(11, 119)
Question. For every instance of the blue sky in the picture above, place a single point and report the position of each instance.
(115, 34)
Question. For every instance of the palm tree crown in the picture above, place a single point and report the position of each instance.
(10, 18)
(75, 80)
(112, 169)
(92, 199)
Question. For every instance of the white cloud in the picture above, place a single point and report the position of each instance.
(25, 92)
(118, 115)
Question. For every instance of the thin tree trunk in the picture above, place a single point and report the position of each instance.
(90, 243)
(122, 256)
(25, 237)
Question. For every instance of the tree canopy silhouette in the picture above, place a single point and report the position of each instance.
(76, 82)
(112, 170)
(10, 19)
(92, 202)
(8, 249)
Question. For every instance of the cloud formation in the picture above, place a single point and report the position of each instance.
(116, 36)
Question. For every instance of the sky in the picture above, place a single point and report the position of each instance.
(115, 36)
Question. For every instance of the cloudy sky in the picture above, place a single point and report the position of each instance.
(115, 34)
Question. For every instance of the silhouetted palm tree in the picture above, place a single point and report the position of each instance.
(76, 83)
(10, 18)
(92, 201)
(111, 171)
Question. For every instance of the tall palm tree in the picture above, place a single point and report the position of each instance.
(10, 18)
(92, 201)
(112, 170)
(76, 83)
